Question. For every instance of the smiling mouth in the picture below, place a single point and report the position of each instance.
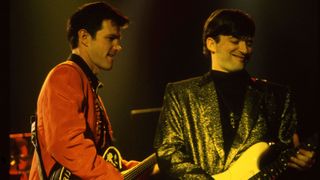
(240, 57)
(111, 55)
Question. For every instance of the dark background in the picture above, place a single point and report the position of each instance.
(162, 44)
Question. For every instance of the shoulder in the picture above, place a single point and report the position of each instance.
(64, 71)
(185, 84)
(192, 82)
(270, 87)
(66, 67)
(66, 76)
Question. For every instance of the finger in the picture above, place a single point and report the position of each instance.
(155, 169)
(296, 141)
(131, 164)
(309, 154)
(301, 161)
(297, 161)
(124, 161)
(293, 165)
(124, 164)
(306, 158)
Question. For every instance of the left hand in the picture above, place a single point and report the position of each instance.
(129, 164)
(304, 159)
(145, 175)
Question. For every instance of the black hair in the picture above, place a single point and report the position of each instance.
(227, 22)
(90, 17)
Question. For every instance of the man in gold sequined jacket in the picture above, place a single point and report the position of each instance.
(208, 122)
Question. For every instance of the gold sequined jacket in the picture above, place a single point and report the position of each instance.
(189, 139)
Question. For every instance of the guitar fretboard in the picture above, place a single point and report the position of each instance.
(140, 168)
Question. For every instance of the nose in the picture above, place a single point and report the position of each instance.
(243, 47)
(117, 46)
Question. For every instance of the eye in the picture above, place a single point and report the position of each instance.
(110, 38)
(249, 43)
(234, 41)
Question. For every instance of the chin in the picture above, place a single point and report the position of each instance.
(106, 68)
(240, 67)
(236, 69)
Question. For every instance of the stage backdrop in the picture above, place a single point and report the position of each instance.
(162, 44)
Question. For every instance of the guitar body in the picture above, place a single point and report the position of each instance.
(113, 156)
(246, 166)
(255, 162)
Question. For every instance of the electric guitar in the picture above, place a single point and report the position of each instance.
(255, 163)
(113, 156)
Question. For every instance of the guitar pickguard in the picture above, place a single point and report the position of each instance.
(246, 166)
(113, 156)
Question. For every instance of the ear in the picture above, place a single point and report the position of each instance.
(211, 44)
(84, 37)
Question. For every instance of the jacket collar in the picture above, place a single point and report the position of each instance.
(94, 81)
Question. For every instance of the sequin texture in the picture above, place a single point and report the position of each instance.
(189, 138)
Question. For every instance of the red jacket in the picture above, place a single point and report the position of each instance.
(66, 102)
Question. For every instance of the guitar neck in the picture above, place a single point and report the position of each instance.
(140, 168)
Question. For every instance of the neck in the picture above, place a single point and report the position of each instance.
(85, 56)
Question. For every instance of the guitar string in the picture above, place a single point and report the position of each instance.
(139, 168)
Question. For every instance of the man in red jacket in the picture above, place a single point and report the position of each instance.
(73, 128)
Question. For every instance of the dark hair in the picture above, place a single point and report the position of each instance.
(90, 17)
(227, 22)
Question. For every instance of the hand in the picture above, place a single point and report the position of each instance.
(304, 159)
(129, 164)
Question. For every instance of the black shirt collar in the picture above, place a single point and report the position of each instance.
(231, 76)
(218, 76)
(94, 81)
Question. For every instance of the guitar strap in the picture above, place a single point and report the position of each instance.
(35, 142)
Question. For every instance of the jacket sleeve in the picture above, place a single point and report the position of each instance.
(65, 124)
(288, 118)
(173, 159)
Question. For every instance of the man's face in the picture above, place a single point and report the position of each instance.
(104, 46)
(231, 54)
